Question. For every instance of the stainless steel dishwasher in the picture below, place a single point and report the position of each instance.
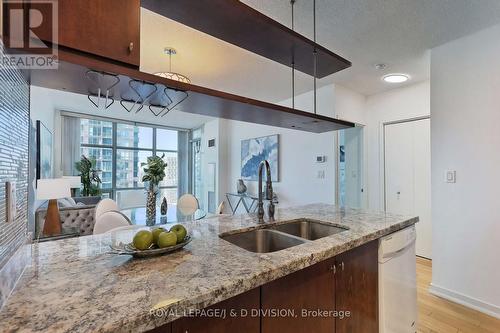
(398, 282)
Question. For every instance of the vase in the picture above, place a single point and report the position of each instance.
(164, 206)
(151, 207)
(241, 187)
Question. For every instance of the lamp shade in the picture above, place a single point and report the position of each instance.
(48, 189)
(74, 181)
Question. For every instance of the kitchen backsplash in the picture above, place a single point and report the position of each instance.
(14, 137)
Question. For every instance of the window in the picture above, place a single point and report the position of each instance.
(166, 140)
(134, 136)
(96, 142)
(129, 171)
(96, 132)
(166, 144)
(119, 150)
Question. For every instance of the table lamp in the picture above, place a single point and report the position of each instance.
(52, 189)
(75, 182)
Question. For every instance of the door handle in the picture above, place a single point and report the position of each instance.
(130, 47)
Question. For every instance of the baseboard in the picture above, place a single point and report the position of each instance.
(486, 308)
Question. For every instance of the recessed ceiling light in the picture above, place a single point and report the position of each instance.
(396, 78)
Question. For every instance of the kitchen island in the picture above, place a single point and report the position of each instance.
(76, 285)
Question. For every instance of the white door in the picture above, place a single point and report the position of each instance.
(408, 176)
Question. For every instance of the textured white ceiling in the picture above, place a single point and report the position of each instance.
(396, 32)
(212, 63)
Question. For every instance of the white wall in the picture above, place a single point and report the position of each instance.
(465, 103)
(299, 182)
(298, 171)
(214, 129)
(350, 105)
(398, 104)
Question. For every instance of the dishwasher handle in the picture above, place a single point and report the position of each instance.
(395, 243)
(392, 254)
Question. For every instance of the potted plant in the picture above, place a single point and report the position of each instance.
(89, 176)
(154, 172)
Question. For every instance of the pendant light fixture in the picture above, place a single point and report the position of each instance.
(170, 51)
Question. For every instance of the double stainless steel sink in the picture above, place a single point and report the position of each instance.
(276, 237)
(262, 240)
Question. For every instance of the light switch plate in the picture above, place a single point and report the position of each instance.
(450, 176)
(10, 201)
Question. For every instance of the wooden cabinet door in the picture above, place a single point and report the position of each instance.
(312, 288)
(107, 28)
(242, 323)
(356, 284)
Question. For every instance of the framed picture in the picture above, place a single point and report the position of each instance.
(43, 151)
(254, 151)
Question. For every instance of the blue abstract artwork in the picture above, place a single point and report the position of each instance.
(254, 151)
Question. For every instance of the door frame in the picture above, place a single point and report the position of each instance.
(382, 150)
(363, 174)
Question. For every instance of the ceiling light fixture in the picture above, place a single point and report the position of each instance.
(170, 51)
(396, 78)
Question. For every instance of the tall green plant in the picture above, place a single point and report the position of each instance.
(154, 172)
(89, 176)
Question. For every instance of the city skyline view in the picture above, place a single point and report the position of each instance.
(134, 144)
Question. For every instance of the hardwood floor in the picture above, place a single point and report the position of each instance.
(441, 316)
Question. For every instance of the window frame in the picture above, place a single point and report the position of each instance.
(115, 147)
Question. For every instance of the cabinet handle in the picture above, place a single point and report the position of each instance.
(130, 49)
(333, 268)
(342, 266)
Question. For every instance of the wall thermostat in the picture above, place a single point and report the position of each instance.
(321, 159)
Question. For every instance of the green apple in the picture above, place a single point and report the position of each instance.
(180, 231)
(143, 239)
(166, 239)
(156, 232)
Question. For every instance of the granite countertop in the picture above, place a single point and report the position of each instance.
(76, 285)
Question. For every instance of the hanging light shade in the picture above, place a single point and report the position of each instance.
(172, 75)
